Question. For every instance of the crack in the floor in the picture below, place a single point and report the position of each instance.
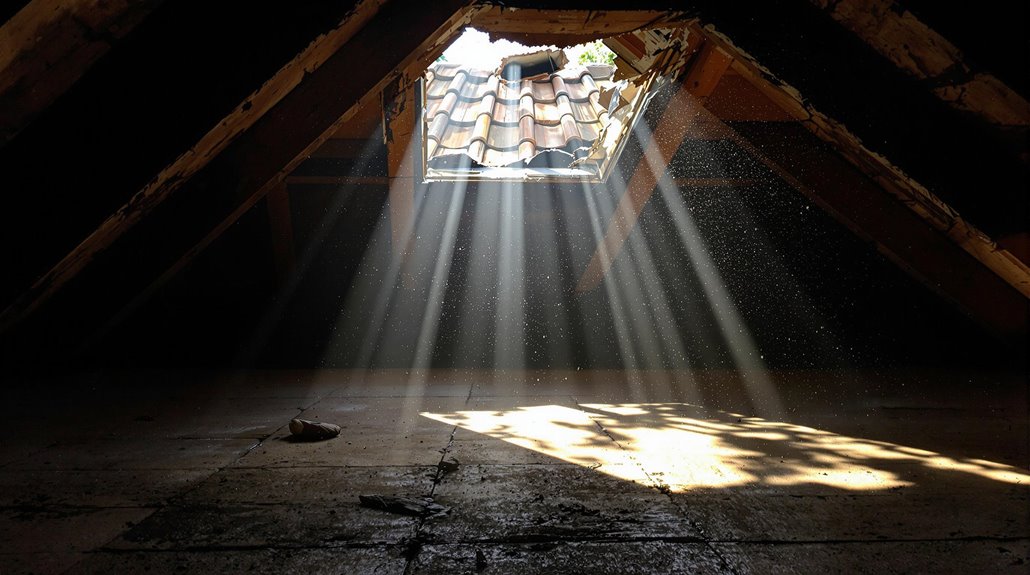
(660, 486)
(413, 545)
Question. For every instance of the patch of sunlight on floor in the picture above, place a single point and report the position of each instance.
(683, 447)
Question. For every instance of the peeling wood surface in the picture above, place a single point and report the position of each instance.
(857, 201)
(309, 102)
(917, 198)
(189, 163)
(597, 23)
(399, 125)
(49, 44)
(924, 54)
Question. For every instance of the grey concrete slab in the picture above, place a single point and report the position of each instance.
(30, 535)
(308, 485)
(514, 503)
(407, 383)
(375, 431)
(95, 488)
(301, 506)
(616, 558)
(381, 560)
(208, 418)
(137, 454)
(889, 557)
(734, 515)
(40, 562)
(225, 526)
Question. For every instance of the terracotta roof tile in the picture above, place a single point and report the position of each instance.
(474, 113)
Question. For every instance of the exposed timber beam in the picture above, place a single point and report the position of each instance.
(567, 27)
(861, 204)
(259, 159)
(918, 50)
(171, 178)
(436, 28)
(671, 129)
(931, 209)
(49, 44)
(399, 127)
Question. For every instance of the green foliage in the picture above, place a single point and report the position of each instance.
(597, 53)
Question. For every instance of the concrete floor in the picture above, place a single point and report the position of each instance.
(558, 472)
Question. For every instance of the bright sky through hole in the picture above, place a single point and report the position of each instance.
(474, 49)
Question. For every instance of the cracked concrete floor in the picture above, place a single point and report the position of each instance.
(558, 472)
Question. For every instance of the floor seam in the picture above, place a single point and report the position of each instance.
(661, 487)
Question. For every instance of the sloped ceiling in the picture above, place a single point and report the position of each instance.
(143, 152)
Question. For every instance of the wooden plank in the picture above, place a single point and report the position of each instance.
(862, 205)
(49, 44)
(310, 115)
(594, 23)
(671, 129)
(934, 211)
(170, 179)
(899, 36)
(280, 225)
(399, 126)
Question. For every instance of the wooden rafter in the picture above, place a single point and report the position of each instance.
(567, 27)
(673, 126)
(276, 144)
(922, 53)
(175, 175)
(935, 212)
(47, 46)
(860, 204)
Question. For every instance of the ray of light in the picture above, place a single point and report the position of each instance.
(746, 356)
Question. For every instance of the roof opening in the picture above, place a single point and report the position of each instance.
(503, 111)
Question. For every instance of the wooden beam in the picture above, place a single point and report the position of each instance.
(918, 50)
(670, 131)
(567, 27)
(262, 158)
(170, 179)
(934, 211)
(280, 225)
(399, 127)
(862, 205)
(49, 44)
(370, 66)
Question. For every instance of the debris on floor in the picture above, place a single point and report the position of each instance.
(480, 560)
(415, 506)
(448, 465)
(308, 430)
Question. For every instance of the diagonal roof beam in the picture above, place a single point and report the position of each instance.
(861, 204)
(931, 209)
(922, 53)
(49, 44)
(349, 79)
(701, 79)
(187, 165)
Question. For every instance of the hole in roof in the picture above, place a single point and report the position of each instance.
(500, 110)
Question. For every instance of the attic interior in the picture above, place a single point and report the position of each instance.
(751, 299)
